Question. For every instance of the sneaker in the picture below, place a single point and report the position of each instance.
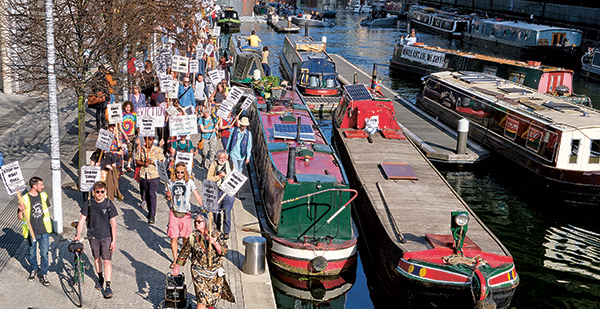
(226, 236)
(151, 220)
(108, 293)
(32, 275)
(44, 280)
(99, 285)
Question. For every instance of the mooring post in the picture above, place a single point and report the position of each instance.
(374, 77)
(463, 133)
(306, 29)
(294, 75)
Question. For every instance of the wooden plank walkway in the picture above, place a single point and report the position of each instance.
(282, 25)
(436, 140)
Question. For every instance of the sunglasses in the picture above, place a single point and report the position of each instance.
(180, 172)
(99, 191)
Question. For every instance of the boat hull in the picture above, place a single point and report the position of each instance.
(380, 22)
(229, 25)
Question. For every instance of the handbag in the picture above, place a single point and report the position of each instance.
(94, 100)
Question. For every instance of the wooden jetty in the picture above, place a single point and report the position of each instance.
(261, 19)
(435, 139)
(281, 25)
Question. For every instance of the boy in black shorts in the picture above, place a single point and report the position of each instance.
(101, 231)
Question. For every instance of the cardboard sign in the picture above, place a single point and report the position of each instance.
(210, 196)
(162, 172)
(172, 110)
(194, 66)
(249, 100)
(216, 31)
(166, 82)
(12, 178)
(146, 126)
(235, 94)
(209, 49)
(183, 125)
(115, 113)
(173, 93)
(233, 182)
(203, 24)
(221, 75)
(185, 157)
(104, 140)
(180, 64)
(214, 76)
(157, 114)
(225, 109)
(89, 176)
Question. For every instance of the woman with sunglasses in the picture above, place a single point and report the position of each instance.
(207, 250)
(180, 190)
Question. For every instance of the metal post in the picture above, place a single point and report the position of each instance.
(294, 75)
(306, 29)
(374, 77)
(299, 124)
(53, 108)
(463, 133)
(291, 167)
(6, 70)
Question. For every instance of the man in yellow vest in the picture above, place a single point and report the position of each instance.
(34, 206)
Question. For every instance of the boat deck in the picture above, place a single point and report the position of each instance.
(436, 140)
(282, 26)
(417, 206)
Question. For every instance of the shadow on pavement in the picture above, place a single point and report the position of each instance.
(152, 236)
(145, 277)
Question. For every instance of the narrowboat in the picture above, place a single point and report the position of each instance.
(303, 195)
(554, 139)
(380, 22)
(396, 8)
(439, 22)
(420, 60)
(315, 74)
(414, 225)
(228, 20)
(246, 59)
(523, 41)
(590, 64)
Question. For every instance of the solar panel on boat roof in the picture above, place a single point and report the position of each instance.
(289, 131)
(358, 92)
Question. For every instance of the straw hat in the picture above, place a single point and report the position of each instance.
(244, 121)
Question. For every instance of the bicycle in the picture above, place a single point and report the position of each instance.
(77, 248)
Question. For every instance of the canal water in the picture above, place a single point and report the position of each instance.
(556, 247)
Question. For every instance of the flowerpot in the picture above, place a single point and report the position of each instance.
(276, 91)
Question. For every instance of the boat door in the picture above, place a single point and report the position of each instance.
(558, 38)
(554, 79)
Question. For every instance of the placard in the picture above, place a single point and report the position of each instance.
(233, 182)
(225, 109)
(194, 66)
(185, 157)
(216, 31)
(180, 64)
(249, 100)
(166, 82)
(172, 111)
(139, 65)
(214, 76)
(198, 17)
(162, 171)
(183, 125)
(157, 114)
(210, 196)
(146, 126)
(88, 177)
(104, 140)
(209, 49)
(217, 8)
(115, 113)
(235, 94)
(173, 93)
(12, 178)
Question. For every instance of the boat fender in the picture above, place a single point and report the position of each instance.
(317, 289)
(318, 264)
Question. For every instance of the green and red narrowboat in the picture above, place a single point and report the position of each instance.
(413, 223)
(303, 195)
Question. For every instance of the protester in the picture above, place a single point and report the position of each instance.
(239, 146)
(148, 79)
(102, 87)
(101, 232)
(108, 172)
(137, 98)
(146, 159)
(158, 98)
(186, 96)
(200, 92)
(182, 145)
(217, 171)
(206, 249)
(208, 134)
(33, 208)
(217, 97)
(224, 129)
(253, 39)
(181, 187)
(128, 129)
(118, 147)
(224, 66)
(265, 61)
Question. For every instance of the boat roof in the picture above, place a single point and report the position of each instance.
(308, 48)
(525, 25)
(545, 68)
(547, 109)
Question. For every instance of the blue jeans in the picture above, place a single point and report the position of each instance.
(239, 164)
(266, 69)
(227, 205)
(44, 244)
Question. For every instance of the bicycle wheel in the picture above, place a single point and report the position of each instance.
(79, 279)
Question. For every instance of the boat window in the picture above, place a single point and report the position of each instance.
(489, 70)
(558, 80)
(595, 151)
(558, 38)
(525, 36)
(534, 138)
(551, 84)
(437, 22)
(596, 60)
(542, 42)
(514, 34)
(574, 150)
(511, 128)
(504, 33)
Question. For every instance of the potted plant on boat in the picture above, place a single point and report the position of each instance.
(266, 85)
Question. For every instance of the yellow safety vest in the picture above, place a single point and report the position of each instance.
(47, 220)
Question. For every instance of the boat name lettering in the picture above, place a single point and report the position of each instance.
(423, 56)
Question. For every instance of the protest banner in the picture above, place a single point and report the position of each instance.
(249, 100)
(214, 76)
(157, 113)
(233, 182)
(172, 110)
(235, 94)
(183, 125)
(194, 66)
(216, 31)
(104, 140)
(12, 178)
(115, 113)
(89, 176)
(145, 126)
(225, 108)
(180, 64)
(162, 172)
(210, 195)
(185, 157)
(209, 49)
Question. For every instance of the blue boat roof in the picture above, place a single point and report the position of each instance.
(524, 25)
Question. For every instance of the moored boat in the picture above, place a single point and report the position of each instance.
(302, 190)
(438, 22)
(590, 64)
(328, 11)
(380, 22)
(523, 41)
(414, 225)
(228, 20)
(246, 59)
(301, 22)
(315, 73)
(556, 140)
(420, 60)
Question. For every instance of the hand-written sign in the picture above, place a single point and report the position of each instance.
(12, 178)
(172, 110)
(139, 65)
(183, 125)
(210, 196)
(225, 109)
(173, 93)
(209, 49)
(216, 31)
(214, 76)
(166, 82)
(89, 176)
(249, 100)
(235, 94)
(180, 64)
(193, 65)
(115, 113)
(162, 172)
(423, 56)
(185, 157)
(157, 114)
(104, 140)
(146, 125)
(203, 24)
(233, 182)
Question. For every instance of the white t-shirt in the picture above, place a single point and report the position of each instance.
(180, 194)
(199, 90)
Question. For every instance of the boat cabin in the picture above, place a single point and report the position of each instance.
(526, 34)
(447, 23)
(590, 64)
(229, 13)
(359, 106)
(246, 59)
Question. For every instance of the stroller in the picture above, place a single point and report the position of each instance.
(175, 292)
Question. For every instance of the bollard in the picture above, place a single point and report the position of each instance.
(306, 29)
(254, 262)
(463, 133)
(294, 76)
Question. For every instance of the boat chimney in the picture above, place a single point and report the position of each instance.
(291, 167)
(355, 78)
(374, 77)
(268, 103)
(294, 75)
(299, 122)
(306, 29)
(324, 41)
(289, 21)
(463, 133)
